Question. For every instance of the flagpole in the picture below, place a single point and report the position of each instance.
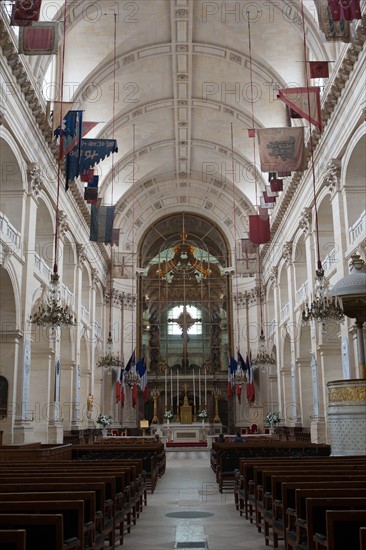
(178, 393)
(171, 390)
(199, 387)
(166, 388)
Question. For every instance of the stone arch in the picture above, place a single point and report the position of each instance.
(12, 182)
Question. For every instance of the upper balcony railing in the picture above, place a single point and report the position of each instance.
(8, 234)
(357, 231)
(302, 293)
(285, 312)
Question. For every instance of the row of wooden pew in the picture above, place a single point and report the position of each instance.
(70, 504)
(310, 503)
(225, 457)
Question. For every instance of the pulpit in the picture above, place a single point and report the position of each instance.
(185, 409)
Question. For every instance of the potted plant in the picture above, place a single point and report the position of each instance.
(168, 415)
(203, 415)
(104, 421)
(273, 418)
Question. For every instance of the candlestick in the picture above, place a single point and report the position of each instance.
(171, 389)
(177, 391)
(194, 389)
(205, 388)
(166, 388)
(199, 387)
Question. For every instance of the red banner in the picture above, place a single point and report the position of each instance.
(24, 12)
(259, 229)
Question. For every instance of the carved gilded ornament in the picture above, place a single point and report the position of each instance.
(355, 393)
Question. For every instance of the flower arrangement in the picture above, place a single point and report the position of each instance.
(168, 415)
(273, 418)
(104, 420)
(202, 415)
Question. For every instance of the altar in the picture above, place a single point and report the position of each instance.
(186, 433)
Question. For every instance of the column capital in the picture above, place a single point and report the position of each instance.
(287, 252)
(35, 184)
(331, 175)
(305, 219)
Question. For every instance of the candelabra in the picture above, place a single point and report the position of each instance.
(263, 357)
(131, 377)
(155, 394)
(323, 308)
(110, 359)
(53, 314)
(217, 394)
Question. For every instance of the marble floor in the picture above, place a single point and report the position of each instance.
(189, 485)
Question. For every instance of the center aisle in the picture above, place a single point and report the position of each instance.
(189, 485)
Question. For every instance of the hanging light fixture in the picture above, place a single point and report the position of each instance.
(110, 359)
(323, 307)
(263, 358)
(52, 313)
(131, 377)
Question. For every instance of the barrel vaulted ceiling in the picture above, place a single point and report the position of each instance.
(180, 72)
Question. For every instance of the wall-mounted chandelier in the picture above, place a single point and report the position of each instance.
(52, 313)
(263, 357)
(110, 359)
(323, 307)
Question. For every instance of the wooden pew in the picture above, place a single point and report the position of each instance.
(315, 521)
(127, 504)
(363, 538)
(262, 483)
(43, 531)
(292, 535)
(246, 472)
(102, 525)
(343, 528)
(88, 497)
(111, 488)
(12, 539)
(273, 506)
(122, 505)
(71, 510)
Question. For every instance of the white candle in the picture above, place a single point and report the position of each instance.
(199, 387)
(205, 389)
(171, 389)
(166, 388)
(177, 390)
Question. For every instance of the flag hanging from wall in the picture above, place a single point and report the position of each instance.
(259, 229)
(232, 367)
(39, 39)
(141, 370)
(246, 258)
(59, 111)
(345, 9)
(305, 102)
(333, 30)
(94, 151)
(101, 223)
(91, 152)
(276, 185)
(319, 69)
(281, 149)
(250, 390)
(24, 12)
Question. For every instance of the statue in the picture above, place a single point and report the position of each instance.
(89, 405)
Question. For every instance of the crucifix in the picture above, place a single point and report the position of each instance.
(185, 321)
